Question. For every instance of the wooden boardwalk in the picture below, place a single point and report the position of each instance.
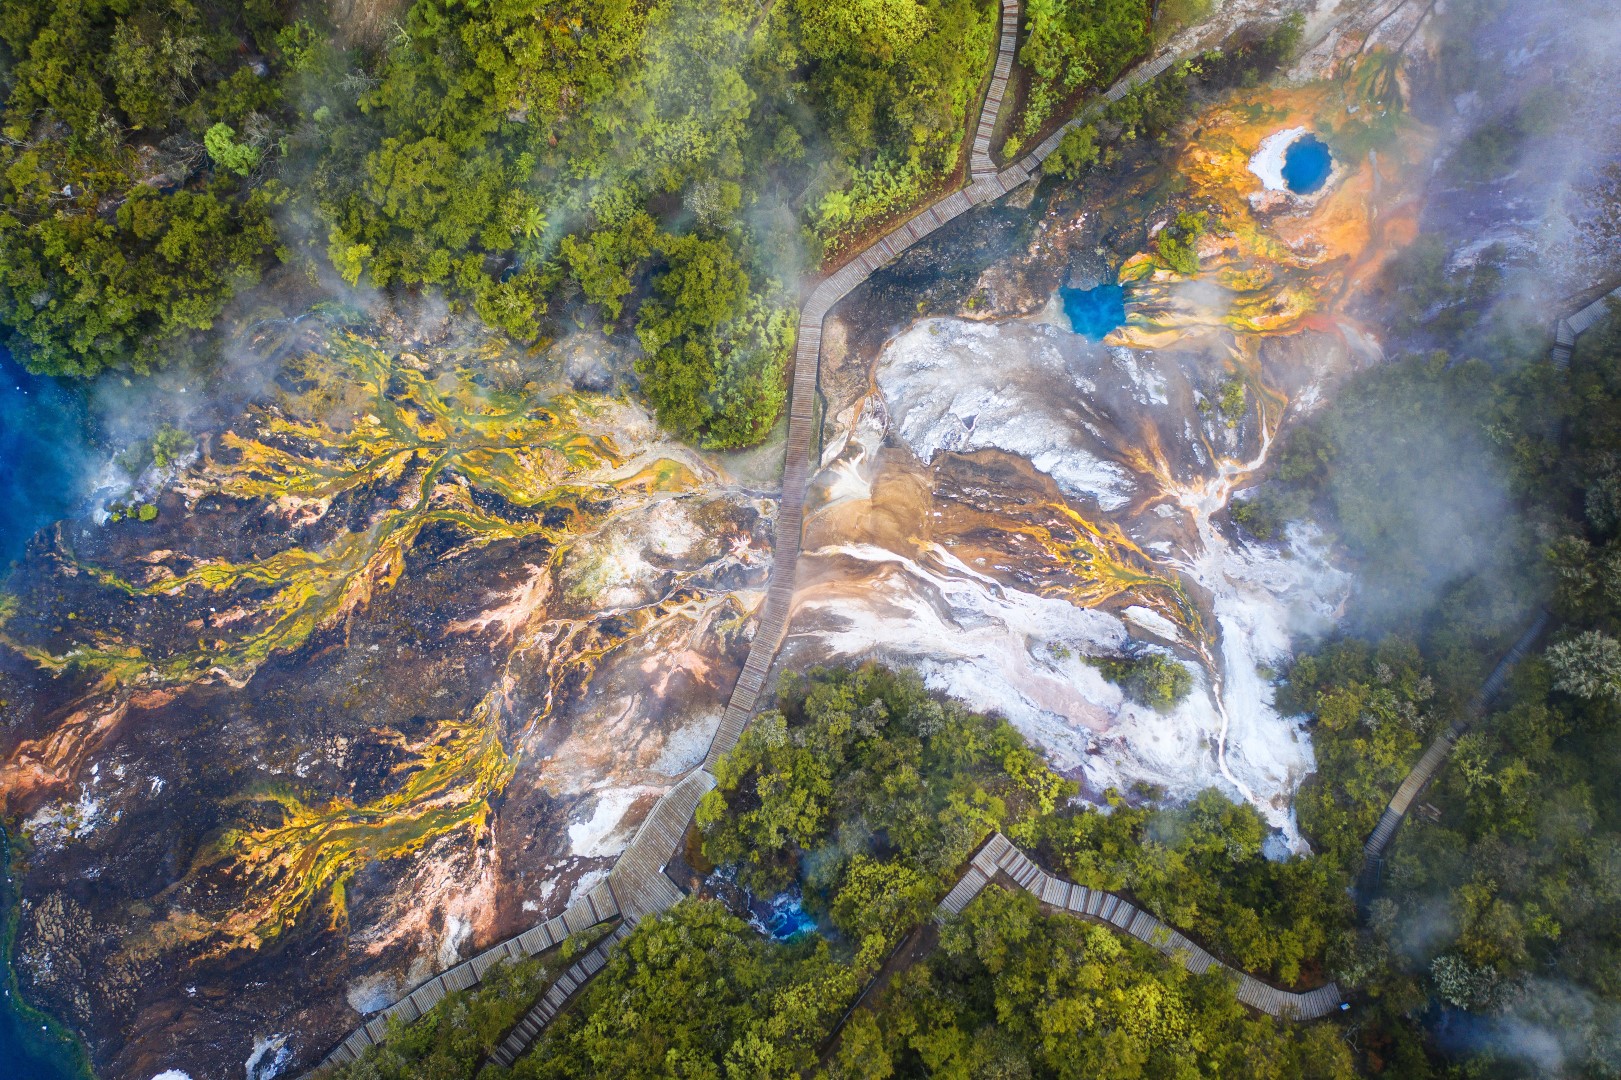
(596, 906)
(557, 995)
(638, 879)
(1000, 858)
(1424, 770)
(1568, 329)
(638, 885)
(979, 162)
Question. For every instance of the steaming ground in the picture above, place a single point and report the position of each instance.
(952, 536)
(1542, 83)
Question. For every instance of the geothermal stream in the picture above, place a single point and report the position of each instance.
(1207, 569)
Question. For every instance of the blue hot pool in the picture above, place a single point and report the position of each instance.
(1095, 312)
(1306, 165)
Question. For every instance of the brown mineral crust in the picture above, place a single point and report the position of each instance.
(989, 508)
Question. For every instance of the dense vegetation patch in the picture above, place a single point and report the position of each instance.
(126, 220)
(1374, 710)
(1069, 44)
(863, 775)
(1201, 868)
(1155, 679)
(1013, 992)
(862, 778)
(1156, 109)
(1470, 482)
(697, 992)
(868, 794)
(671, 165)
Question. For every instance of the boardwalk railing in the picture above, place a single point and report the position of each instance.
(638, 885)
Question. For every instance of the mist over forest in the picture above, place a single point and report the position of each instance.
(440, 470)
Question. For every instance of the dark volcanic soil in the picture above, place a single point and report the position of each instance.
(399, 663)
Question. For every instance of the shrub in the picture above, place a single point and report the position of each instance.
(1177, 243)
(1231, 401)
(169, 445)
(227, 153)
(1155, 679)
(1077, 151)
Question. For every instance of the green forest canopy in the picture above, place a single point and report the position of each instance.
(672, 163)
(1503, 899)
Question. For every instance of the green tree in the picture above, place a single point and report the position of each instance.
(881, 29)
(1074, 43)
(1155, 679)
(111, 254)
(1013, 992)
(1076, 152)
(1177, 246)
(878, 901)
(151, 67)
(715, 356)
(695, 992)
(169, 445)
(1587, 665)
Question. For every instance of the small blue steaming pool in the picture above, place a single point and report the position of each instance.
(1306, 165)
(782, 918)
(1095, 312)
